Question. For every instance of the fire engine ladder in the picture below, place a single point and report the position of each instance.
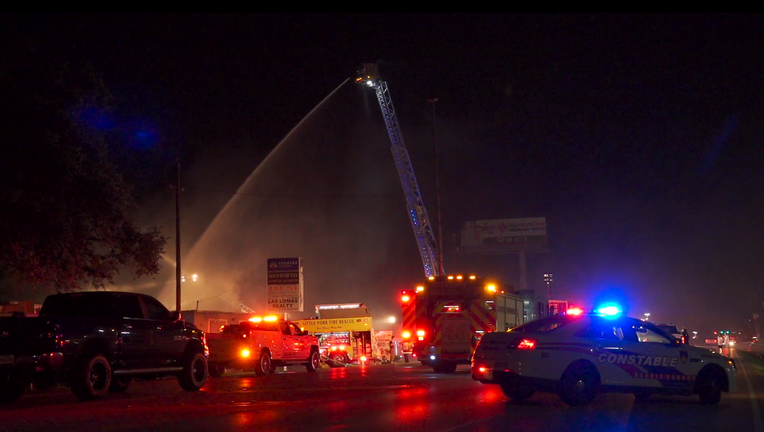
(420, 222)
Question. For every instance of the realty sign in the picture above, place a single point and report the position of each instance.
(285, 285)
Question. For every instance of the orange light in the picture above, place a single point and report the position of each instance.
(491, 288)
(472, 277)
(420, 288)
(405, 298)
(450, 277)
(256, 319)
(245, 353)
(363, 359)
(271, 318)
(406, 334)
(574, 311)
(459, 277)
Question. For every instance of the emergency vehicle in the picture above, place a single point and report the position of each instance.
(446, 316)
(344, 331)
(261, 344)
(578, 355)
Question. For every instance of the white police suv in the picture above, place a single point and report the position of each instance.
(578, 355)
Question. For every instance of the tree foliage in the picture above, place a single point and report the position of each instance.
(65, 206)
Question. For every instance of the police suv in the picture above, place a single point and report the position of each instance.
(578, 355)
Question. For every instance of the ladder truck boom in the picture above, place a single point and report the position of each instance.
(368, 74)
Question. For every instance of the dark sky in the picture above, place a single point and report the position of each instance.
(638, 137)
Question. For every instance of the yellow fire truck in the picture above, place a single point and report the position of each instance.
(344, 332)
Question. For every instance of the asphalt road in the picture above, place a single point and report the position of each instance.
(389, 398)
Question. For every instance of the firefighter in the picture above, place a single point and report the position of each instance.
(406, 350)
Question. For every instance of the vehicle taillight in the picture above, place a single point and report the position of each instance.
(420, 335)
(523, 343)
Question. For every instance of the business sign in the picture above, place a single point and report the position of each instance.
(335, 324)
(504, 235)
(285, 285)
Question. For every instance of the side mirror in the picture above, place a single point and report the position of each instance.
(175, 315)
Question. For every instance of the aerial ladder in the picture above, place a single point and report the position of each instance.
(428, 248)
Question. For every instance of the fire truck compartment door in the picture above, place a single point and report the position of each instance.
(456, 335)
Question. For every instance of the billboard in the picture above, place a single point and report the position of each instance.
(504, 235)
(285, 285)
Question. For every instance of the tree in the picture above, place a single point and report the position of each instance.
(65, 206)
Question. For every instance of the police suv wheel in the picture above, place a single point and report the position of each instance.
(516, 391)
(579, 384)
(709, 387)
(642, 395)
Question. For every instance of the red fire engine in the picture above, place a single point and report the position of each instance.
(446, 316)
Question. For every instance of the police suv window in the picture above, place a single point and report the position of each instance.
(646, 333)
(601, 329)
(608, 329)
(543, 325)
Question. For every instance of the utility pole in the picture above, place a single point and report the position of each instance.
(432, 101)
(177, 241)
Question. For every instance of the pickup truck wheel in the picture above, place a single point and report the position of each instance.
(194, 374)
(119, 384)
(314, 361)
(263, 365)
(91, 377)
(216, 370)
(12, 389)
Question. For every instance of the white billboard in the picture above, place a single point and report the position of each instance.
(496, 235)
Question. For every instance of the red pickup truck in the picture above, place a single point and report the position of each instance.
(262, 344)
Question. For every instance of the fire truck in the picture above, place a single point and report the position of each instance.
(446, 316)
(344, 332)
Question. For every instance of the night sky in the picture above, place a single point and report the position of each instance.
(638, 137)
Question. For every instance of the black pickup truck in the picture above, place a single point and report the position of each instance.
(97, 342)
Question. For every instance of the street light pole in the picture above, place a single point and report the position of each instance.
(177, 241)
(441, 271)
(548, 278)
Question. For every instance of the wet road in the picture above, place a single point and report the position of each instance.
(390, 398)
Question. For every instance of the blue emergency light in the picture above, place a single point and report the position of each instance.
(609, 311)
